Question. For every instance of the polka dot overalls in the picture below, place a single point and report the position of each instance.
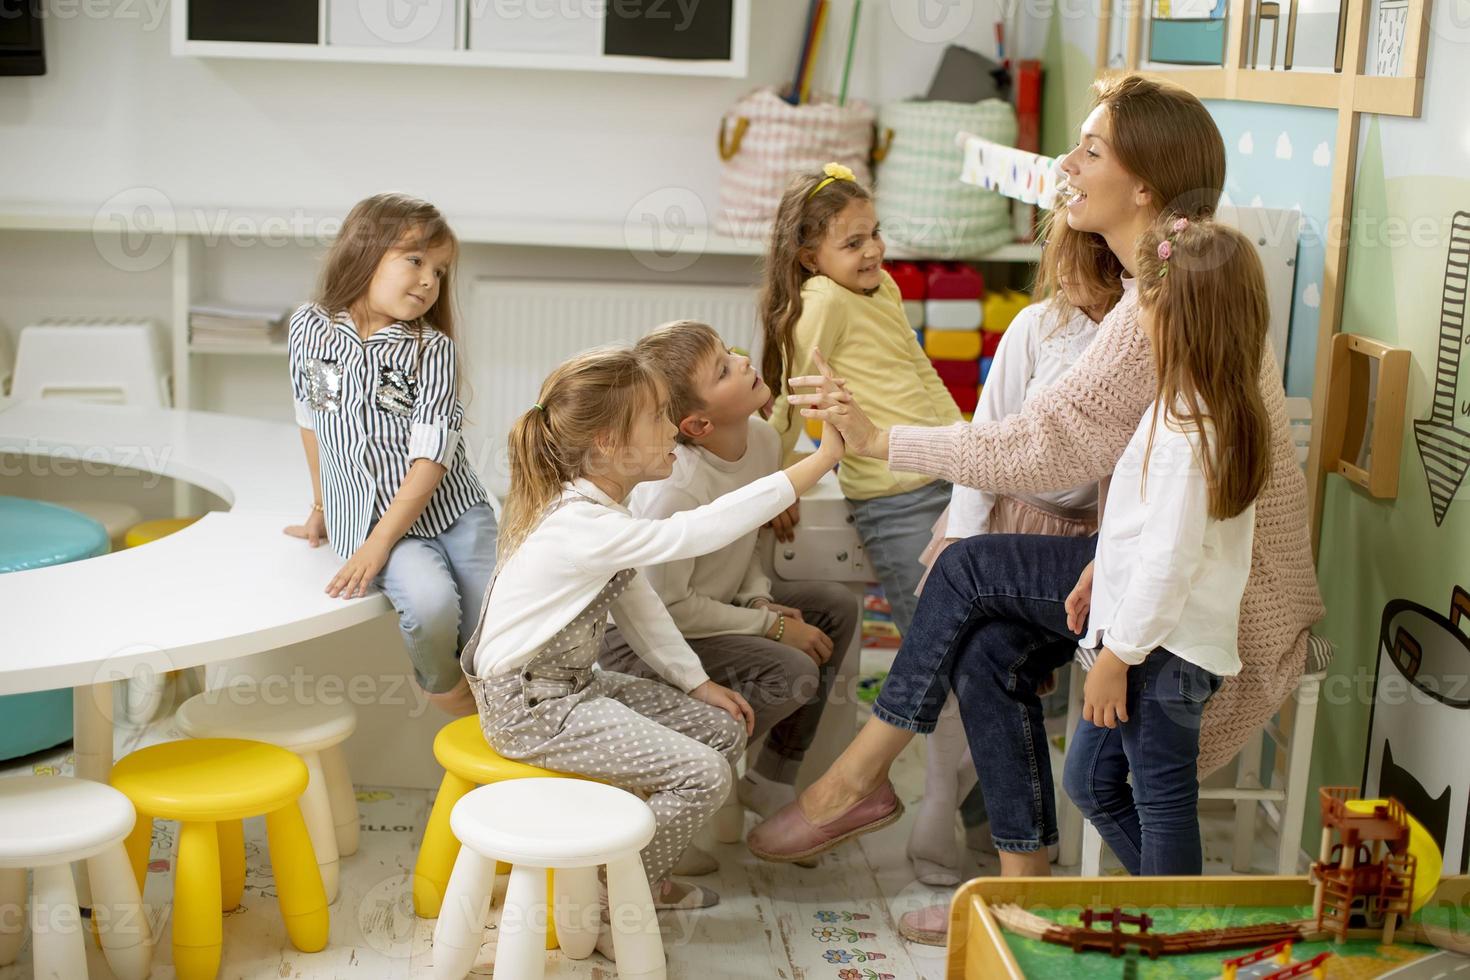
(642, 735)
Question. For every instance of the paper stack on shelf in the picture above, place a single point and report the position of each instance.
(235, 326)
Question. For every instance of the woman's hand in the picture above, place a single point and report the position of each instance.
(354, 577)
(835, 406)
(784, 523)
(725, 699)
(1105, 695)
(313, 530)
(1079, 601)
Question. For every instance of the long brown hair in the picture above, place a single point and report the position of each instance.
(1163, 136)
(1202, 287)
(586, 406)
(374, 226)
(801, 223)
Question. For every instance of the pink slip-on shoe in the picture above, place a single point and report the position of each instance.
(928, 925)
(789, 836)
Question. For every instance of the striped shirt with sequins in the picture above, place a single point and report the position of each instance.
(377, 405)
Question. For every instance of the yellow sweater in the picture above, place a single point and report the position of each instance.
(868, 342)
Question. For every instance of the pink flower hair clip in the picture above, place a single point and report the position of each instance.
(1166, 247)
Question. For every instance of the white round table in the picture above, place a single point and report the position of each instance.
(230, 585)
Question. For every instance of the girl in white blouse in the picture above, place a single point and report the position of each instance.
(1174, 550)
(568, 553)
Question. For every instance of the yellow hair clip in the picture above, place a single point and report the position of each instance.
(834, 172)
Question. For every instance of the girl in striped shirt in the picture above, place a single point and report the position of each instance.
(375, 382)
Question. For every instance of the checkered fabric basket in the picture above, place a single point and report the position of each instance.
(923, 207)
(765, 141)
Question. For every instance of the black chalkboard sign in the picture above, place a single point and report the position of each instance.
(281, 21)
(670, 29)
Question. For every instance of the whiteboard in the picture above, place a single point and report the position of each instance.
(1275, 232)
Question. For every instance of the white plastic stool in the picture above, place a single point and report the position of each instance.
(115, 362)
(571, 826)
(46, 823)
(313, 731)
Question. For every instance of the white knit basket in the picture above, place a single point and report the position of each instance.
(923, 207)
(765, 141)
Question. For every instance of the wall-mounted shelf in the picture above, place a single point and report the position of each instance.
(309, 227)
(255, 350)
(1363, 433)
(557, 37)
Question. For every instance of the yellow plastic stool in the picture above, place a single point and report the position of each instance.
(153, 530)
(209, 785)
(468, 762)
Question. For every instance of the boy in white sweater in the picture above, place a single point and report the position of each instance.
(780, 645)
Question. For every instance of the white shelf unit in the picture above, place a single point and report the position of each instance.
(737, 66)
(206, 266)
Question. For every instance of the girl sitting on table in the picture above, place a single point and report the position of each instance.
(375, 378)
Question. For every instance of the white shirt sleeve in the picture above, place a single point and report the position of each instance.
(621, 541)
(1170, 548)
(1004, 394)
(651, 632)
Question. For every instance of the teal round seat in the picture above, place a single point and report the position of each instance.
(34, 534)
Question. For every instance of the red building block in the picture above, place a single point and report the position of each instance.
(989, 344)
(965, 397)
(958, 374)
(912, 283)
(953, 280)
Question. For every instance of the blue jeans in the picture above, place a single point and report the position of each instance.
(991, 624)
(895, 530)
(1153, 826)
(437, 585)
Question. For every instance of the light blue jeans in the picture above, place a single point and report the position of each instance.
(895, 530)
(437, 585)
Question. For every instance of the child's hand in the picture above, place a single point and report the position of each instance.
(834, 404)
(354, 577)
(314, 530)
(780, 610)
(809, 640)
(725, 699)
(1079, 601)
(784, 523)
(1105, 695)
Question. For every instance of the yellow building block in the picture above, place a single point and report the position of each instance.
(952, 345)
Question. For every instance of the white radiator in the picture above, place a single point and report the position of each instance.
(519, 330)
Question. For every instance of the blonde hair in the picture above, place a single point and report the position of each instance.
(1164, 137)
(374, 226)
(801, 223)
(586, 407)
(677, 352)
(1209, 314)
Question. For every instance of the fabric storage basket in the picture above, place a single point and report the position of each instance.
(922, 206)
(765, 141)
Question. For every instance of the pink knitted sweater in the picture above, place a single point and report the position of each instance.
(1076, 431)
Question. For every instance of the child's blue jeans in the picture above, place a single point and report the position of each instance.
(1152, 825)
(437, 585)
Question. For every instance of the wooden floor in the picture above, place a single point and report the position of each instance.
(837, 921)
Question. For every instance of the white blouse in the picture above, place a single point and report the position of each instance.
(1037, 349)
(1168, 574)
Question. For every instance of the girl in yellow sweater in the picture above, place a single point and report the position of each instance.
(825, 287)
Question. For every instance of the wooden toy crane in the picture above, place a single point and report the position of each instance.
(1365, 874)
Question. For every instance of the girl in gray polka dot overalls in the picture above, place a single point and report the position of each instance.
(568, 554)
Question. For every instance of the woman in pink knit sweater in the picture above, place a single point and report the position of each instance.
(998, 622)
